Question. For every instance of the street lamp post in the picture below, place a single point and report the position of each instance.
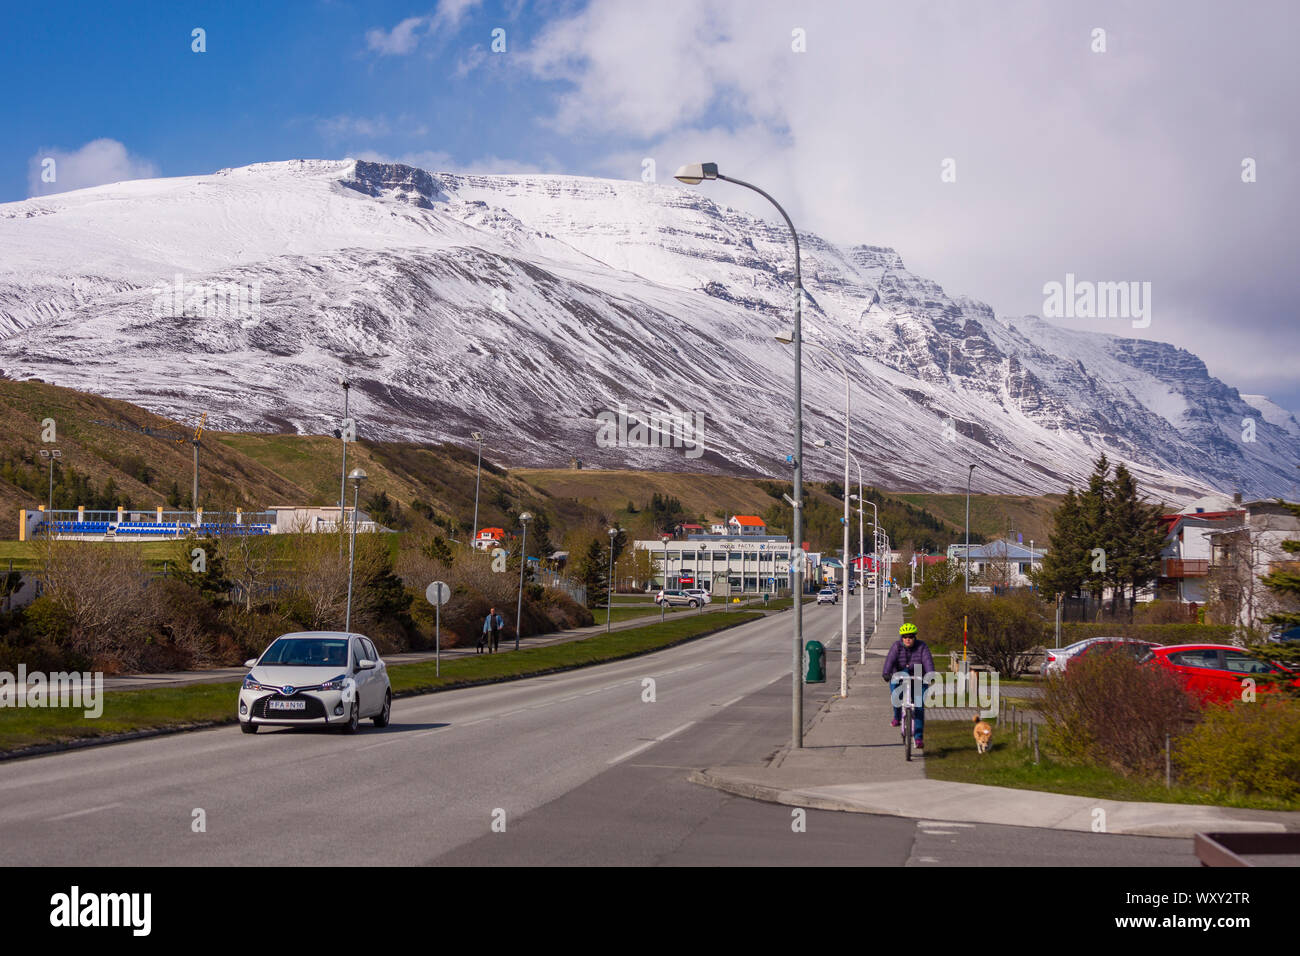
(693, 175)
(609, 587)
(862, 575)
(524, 518)
(343, 475)
(478, 437)
(52, 455)
(966, 556)
(357, 477)
(663, 604)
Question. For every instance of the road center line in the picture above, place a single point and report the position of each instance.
(82, 813)
(649, 743)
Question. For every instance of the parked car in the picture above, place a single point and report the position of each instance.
(701, 595)
(828, 596)
(677, 598)
(1055, 659)
(1137, 650)
(1214, 672)
(316, 678)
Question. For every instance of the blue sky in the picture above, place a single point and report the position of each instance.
(1116, 164)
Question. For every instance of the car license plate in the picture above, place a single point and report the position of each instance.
(286, 705)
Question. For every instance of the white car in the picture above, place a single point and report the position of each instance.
(701, 595)
(1055, 658)
(828, 595)
(316, 678)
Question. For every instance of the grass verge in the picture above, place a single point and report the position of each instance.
(202, 705)
(950, 755)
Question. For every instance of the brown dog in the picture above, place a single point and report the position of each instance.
(983, 735)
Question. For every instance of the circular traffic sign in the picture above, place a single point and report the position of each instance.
(438, 592)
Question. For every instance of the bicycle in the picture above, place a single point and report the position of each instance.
(907, 707)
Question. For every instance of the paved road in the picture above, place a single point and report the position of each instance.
(578, 767)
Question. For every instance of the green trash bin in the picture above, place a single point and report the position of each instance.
(814, 662)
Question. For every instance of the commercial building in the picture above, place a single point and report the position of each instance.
(724, 564)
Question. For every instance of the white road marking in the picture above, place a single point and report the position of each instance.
(82, 813)
(649, 743)
(943, 823)
(732, 701)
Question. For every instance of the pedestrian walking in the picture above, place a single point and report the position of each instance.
(491, 635)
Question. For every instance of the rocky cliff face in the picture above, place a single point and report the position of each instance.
(524, 306)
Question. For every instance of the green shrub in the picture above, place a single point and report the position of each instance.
(1001, 629)
(1108, 711)
(1158, 633)
(1250, 748)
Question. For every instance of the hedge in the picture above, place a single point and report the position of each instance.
(1157, 633)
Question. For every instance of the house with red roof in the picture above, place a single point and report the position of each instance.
(746, 524)
(489, 538)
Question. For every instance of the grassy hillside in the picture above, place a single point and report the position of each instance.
(429, 488)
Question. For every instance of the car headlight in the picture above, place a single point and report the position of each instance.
(335, 683)
(250, 684)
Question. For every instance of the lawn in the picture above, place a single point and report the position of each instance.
(206, 704)
(950, 755)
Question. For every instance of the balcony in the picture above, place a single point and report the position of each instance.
(1184, 568)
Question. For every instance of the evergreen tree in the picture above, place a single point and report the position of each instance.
(1066, 562)
(593, 572)
(1135, 539)
(1094, 510)
(1284, 582)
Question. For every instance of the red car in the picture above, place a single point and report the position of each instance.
(1214, 672)
(1112, 645)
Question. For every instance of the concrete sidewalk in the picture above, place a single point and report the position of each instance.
(852, 760)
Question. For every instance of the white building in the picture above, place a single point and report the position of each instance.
(724, 565)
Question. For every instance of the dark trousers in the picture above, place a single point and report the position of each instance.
(496, 637)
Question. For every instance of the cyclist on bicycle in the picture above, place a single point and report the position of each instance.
(908, 651)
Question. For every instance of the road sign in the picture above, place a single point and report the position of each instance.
(438, 592)
(980, 589)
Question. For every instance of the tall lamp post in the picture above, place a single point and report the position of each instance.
(356, 477)
(862, 575)
(966, 555)
(343, 475)
(844, 611)
(663, 604)
(478, 437)
(524, 518)
(609, 586)
(693, 175)
(52, 455)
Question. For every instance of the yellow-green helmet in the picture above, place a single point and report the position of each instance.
(907, 629)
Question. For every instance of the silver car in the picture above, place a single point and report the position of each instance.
(316, 678)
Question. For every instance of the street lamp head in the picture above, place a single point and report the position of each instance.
(694, 173)
(525, 517)
(785, 336)
(358, 476)
(345, 383)
(476, 436)
(613, 532)
(821, 443)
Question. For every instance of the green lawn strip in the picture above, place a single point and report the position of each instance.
(485, 668)
(950, 755)
(201, 705)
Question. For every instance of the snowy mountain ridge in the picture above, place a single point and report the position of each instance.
(525, 306)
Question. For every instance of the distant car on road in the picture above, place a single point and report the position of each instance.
(316, 678)
(677, 598)
(828, 596)
(1214, 672)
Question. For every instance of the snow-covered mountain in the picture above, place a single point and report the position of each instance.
(525, 306)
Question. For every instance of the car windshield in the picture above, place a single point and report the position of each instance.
(307, 652)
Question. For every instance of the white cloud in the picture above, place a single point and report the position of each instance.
(400, 40)
(1123, 165)
(405, 38)
(98, 162)
(340, 127)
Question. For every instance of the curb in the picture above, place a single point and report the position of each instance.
(1169, 830)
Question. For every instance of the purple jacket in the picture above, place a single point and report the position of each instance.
(901, 659)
